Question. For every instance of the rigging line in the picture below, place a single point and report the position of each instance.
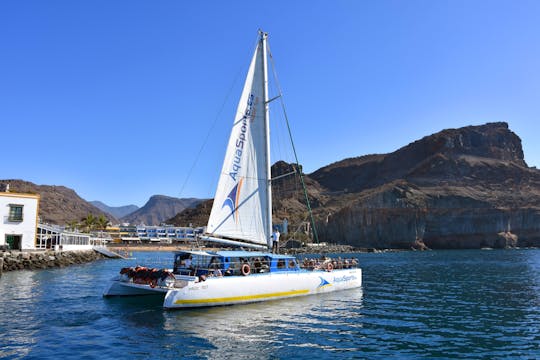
(205, 141)
(315, 235)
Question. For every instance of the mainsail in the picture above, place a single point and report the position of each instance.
(242, 204)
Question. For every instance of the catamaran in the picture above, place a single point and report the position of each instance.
(241, 216)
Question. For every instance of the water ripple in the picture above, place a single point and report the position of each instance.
(413, 305)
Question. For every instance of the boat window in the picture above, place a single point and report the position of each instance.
(292, 265)
(215, 263)
(200, 261)
(281, 264)
(197, 261)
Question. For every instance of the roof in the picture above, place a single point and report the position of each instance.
(196, 252)
(240, 253)
(235, 253)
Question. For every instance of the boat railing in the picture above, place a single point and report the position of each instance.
(258, 266)
(329, 264)
(231, 268)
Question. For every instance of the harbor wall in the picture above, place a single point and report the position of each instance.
(23, 260)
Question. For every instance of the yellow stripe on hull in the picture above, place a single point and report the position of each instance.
(242, 298)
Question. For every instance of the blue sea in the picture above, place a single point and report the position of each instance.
(413, 305)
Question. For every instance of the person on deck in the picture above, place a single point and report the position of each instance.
(275, 241)
(187, 263)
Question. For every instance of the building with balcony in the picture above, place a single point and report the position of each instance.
(19, 219)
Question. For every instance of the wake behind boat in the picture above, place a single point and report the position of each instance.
(241, 216)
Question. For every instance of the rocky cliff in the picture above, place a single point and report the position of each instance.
(459, 188)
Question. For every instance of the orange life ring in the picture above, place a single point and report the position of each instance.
(329, 267)
(246, 270)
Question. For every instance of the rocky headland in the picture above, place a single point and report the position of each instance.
(463, 188)
(459, 188)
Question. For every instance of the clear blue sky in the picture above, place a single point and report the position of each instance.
(114, 98)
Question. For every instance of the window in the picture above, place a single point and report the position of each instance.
(15, 212)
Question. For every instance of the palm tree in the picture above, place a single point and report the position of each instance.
(73, 225)
(89, 222)
(102, 222)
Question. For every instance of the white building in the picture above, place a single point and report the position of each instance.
(53, 237)
(19, 218)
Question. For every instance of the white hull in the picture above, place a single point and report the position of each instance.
(231, 290)
(118, 287)
(260, 287)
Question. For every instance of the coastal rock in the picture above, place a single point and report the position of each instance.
(43, 260)
(459, 188)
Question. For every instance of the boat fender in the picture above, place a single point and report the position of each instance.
(329, 267)
(246, 270)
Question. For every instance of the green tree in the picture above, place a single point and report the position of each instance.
(73, 225)
(89, 222)
(102, 222)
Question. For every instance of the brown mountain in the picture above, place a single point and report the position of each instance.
(287, 197)
(58, 204)
(459, 188)
(116, 211)
(196, 216)
(158, 209)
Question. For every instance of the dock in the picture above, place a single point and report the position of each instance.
(110, 254)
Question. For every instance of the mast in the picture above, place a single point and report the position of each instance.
(264, 37)
(242, 209)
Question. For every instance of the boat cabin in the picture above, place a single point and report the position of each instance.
(231, 263)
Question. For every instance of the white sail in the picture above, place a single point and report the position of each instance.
(241, 209)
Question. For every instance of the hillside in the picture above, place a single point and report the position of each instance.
(116, 211)
(196, 216)
(158, 209)
(59, 204)
(287, 197)
(459, 188)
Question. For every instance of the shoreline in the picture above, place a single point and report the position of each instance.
(292, 251)
(36, 260)
(28, 260)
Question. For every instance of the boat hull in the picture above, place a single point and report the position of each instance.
(123, 288)
(260, 287)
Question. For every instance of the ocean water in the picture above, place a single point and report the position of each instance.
(413, 305)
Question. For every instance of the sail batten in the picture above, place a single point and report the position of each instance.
(241, 208)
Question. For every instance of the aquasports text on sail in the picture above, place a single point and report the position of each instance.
(240, 141)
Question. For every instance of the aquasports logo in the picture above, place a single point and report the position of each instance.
(344, 278)
(323, 283)
(249, 114)
(233, 198)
